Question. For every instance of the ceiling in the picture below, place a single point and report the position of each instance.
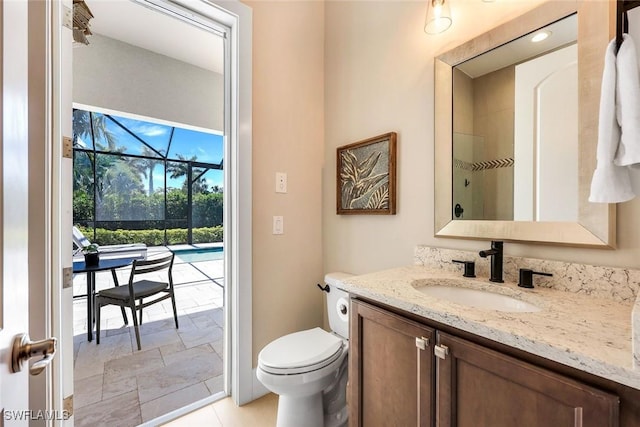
(132, 23)
(563, 33)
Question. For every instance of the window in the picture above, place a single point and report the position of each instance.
(138, 175)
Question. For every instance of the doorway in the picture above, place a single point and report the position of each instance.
(237, 233)
(133, 187)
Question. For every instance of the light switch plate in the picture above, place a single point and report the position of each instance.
(278, 225)
(281, 182)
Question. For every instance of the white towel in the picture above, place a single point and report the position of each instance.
(628, 111)
(611, 183)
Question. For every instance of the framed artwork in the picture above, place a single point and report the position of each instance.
(366, 176)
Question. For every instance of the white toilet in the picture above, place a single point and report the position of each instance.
(308, 369)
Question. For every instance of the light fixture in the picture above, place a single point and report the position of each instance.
(81, 17)
(542, 35)
(438, 16)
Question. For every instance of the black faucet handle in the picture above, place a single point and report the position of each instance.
(469, 267)
(526, 277)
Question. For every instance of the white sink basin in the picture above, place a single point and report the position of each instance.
(478, 298)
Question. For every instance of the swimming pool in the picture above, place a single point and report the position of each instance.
(200, 254)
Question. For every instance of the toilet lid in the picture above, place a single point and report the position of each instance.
(300, 349)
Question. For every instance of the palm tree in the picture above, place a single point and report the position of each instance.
(146, 166)
(89, 126)
(180, 169)
(200, 186)
(83, 129)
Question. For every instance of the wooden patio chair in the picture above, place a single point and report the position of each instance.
(133, 295)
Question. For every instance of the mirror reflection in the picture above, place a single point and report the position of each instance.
(515, 129)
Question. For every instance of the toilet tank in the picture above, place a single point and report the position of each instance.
(338, 304)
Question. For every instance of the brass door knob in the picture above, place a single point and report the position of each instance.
(24, 349)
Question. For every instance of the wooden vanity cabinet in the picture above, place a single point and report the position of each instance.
(392, 382)
(480, 387)
(391, 362)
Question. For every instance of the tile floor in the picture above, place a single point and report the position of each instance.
(224, 413)
(114, 384)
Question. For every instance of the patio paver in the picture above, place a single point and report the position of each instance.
(174, 368)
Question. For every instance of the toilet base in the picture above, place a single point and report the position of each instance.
(300, 411)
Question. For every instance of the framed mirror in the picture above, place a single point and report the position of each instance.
(516, 130)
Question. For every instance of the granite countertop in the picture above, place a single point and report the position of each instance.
(584, 332)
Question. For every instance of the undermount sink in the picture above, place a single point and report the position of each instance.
(479, 298)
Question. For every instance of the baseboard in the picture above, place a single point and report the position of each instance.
(259, 389)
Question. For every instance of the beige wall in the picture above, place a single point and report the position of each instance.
(494, 105)
(370, 66)
(379, 78)
(288, 136)
(483, 109)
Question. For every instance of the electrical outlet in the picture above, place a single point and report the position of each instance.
(278, 225)
(281, 182)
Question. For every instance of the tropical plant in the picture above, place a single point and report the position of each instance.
(146, 165)
(176, 204)
(122, 179)
(90, 249)
(82, 206)
(90, 130)
(207, 209)
(82, 171)
(180, 169)
(154, 237)
(93, 127)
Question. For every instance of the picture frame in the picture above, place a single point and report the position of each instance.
(366, 176)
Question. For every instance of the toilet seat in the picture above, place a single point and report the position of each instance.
(301, 352)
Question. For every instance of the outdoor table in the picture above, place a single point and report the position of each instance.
(104, 264)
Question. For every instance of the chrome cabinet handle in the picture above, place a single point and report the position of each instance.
(24, 349)
(441, 351)
(422, 343)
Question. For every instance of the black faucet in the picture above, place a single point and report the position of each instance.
(496, 260)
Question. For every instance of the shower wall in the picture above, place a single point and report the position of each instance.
(483, 144)
(493, 120)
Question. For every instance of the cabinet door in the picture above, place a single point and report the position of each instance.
(479, 387)
(390, 375)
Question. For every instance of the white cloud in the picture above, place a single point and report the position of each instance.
(150, 130)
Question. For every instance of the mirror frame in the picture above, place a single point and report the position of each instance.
(596, 223)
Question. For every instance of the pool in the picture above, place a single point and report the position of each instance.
(199, 254)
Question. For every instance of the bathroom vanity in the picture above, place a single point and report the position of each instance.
(565, 353)
(416, 359)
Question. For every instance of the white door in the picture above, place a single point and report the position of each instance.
(14, 289)
(546, 139)
(14, 214)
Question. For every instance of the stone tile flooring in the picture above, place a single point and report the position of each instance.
(224, 413)
(116, 385)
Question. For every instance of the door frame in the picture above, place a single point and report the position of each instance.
(237, 17)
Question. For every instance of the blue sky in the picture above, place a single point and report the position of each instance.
(206, 147)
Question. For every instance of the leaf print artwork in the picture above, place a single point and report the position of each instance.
(380, 198)
(364, 176)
